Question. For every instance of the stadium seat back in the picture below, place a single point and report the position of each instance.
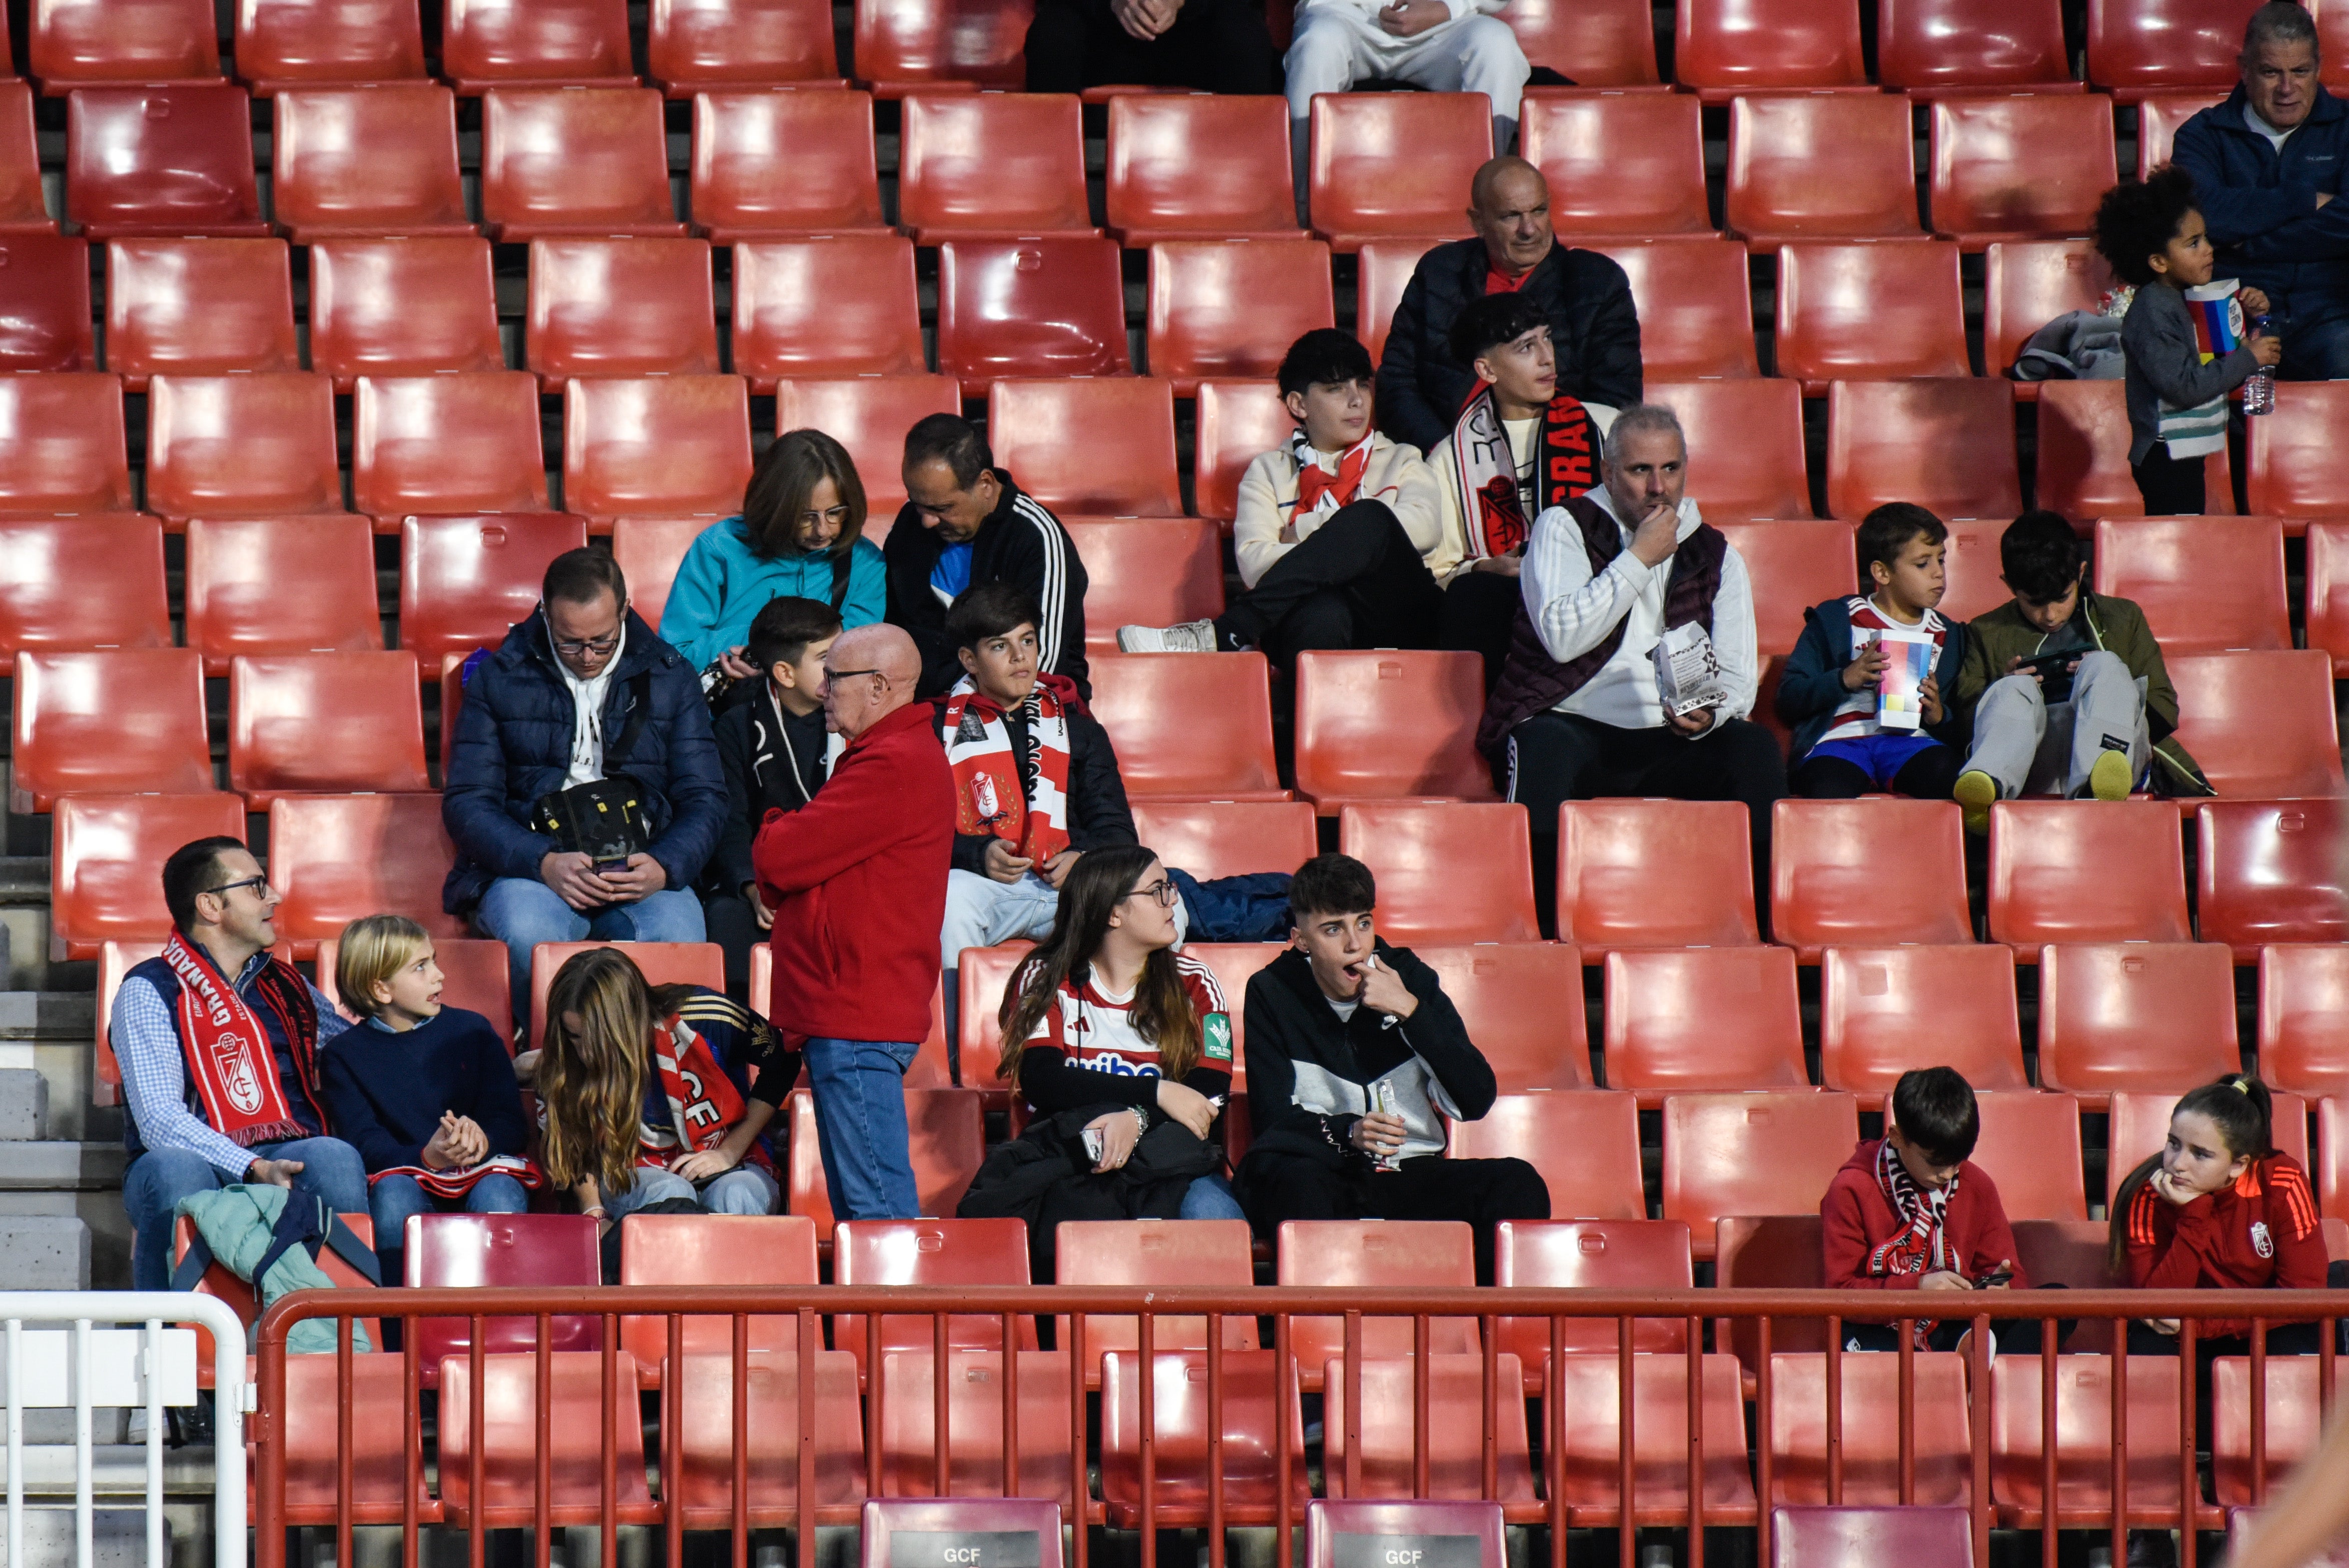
(166, 159)
(1939, 1451)
(1590, 1463)
(447, 445)
(1101, 448)
(1731, 45)
(1971, 569)
(2030, 1144)
(1230, 308)
(1047, 307)
(1522, 1002)
(83, 584)
(1827, 886)
(1870, 998)
(1820, 166)
(1766, 1252)
(1619, 163)
(1625, 1254)
(713, 1249)
(1236, 421)
(2206, 584)
(198, 307)
(583, 160)
(2043, 853)
(2291, 1426)
(1373, 1253)
(2148, 45)
(335, 858)
(649, 550)
(87, 43)
(1383, 269)
(657, 446)
(332, 723)
(1854, 311)
(2083, 447)
(620, 306)
(119, 721)
(1752, 1154)
(2328, 591)
(242, 446)
(1447, 871)
(1923, 45)
(2152, 1015)
(312, 1413)
(102, 884)
(1584, 1143)
(535, 43)
(2260, 724)
(1389, 723)
(358, 161)
(1385, 1465)
(2021, 165)
(2026, 284)
(869, 415)
(1654, 873)
(1189, 730)
(1946, 444)
(1668, 1021)
(978, 1384)
(278, 585)
(1852, 1536)
(402, 308)
(992, 165)
(691, 45)
(1159, 188)
(1604, 43)
(2304, 1037)
(1180, 1424)
(465, 581)
(1791, 565)
(1695, 305)
(983, 975)
(866, 1253)
(770, 164)
(1146, 571)
(913, 46)
(1749, 430)
(1385, 164)
(502, 1250)
(2084, 1436)
(1213, 839)
(770, 1430)
(61, 445)
(581, 1405)
(840, 304)
(44, 306)
(2159, 114)
(282, 43)
(1210, 1254)
(22, 208)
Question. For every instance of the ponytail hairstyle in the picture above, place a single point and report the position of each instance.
(2238, 1106)
(1161, 1013)
(591, 1082)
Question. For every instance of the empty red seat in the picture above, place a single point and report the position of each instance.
(2292, 462)
(587, 1397)
(364, 161)
(1833, 165)
(167, 159)
(288, 44)
(2328, 591)
(1210, 1254)
(1389, 723)
(972, 1453)
(122, 720)
(1695, 305)
(1851, 1537)
(2084, 1441)
(649, 551)
(1386, 164)
(715, 1249)
(1447, 871)
(2154, 1016)
(277, 586)
(1212, 839)
(948, 1139)
(2138, 1125)
(832, 305)
(1930, 46)
(402, 308)
(465, 581)
(1826, 883)
(1585, 1142)
(2290, 1426)
(1181, 1413)
(1632, 1253)
(2019, 165)
(242, 446)
(447, 445)
(2026, 284)
(1939, 1454)
(1385, 1465)
(22, 212)
(198, 307)
(535, 43)
(1702, 1019)
(45, 309)
(102, 882)
(2303, 1038)
(1382, 269)
(333, 858)
(2260, 724)
(1781, 1252)
(693, 44)
(1749, 431)
(2084, 446)
(992, 166)
(315, 1404)
(1236, 421)
(620, 307)
(61, 445)
(1870, 996)
(324, 724)
(1619, 163)
(1590, 1474)
(871, 1253)
(1230, 308)
(90, 44)
(2030, 1144)
(918, 45)
(512, 1249)
(770, 163)
(2140, 45)
(1473, 1524)
(1869, 312)
(868, 414)
(1948, 444)
(2332, 1171)
(663, 445)
(1972, 569)
(1522, 1003)
(1145, 570)
(2045, 854)
(1099, 446)
(574, 161)
(1723, 47)
(1752, 1154)
(1030, 308)
(2206, 583)
(704, 1479)
(1188, 730)
(2159, 114)
(1396, 1254)
(1160, 188)
(83, 584)
(1791, 565)
(1654, 873)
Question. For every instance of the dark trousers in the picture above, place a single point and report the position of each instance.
(1215, 46)
(1480, 611)
(2314, 322)
(1356, 581)
(729, 923)
(1276, 1187)
(2019, 1336)
(2172, 486)
(1929, 775)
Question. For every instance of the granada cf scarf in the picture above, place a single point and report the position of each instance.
(229, 1055)
(456, 1181)
(988, 794)
(703, 1104)
(1919, 1245)
(1319, 491)
(1486, 469)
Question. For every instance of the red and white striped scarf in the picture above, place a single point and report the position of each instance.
(990, 794)
(229, 1055)
(457, 1181)
(703, 1104)
(1921, 1245)
(1320, 492)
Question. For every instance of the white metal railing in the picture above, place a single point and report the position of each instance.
(83, 1366)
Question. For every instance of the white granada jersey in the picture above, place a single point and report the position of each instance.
(1092, 1024)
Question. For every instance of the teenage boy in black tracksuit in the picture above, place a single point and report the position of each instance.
(1338, 1025)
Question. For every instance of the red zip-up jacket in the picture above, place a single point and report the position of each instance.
(2260, 1234)
(1856, 1218)
(857, 878)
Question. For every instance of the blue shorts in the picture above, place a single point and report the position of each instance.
(1879, 755)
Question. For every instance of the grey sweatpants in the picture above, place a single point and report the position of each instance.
(2031, 745)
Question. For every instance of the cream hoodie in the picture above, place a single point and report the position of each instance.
(1265, 528)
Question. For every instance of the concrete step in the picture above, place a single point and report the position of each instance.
(61, 1165)
(24, 1105)
(52, 1033)
(48, 1251)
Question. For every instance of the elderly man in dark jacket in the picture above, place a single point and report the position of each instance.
(584, 690)
(1594, 325)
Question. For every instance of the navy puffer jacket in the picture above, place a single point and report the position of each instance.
(513, 745)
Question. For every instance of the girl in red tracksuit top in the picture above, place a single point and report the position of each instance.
(2218, 1208)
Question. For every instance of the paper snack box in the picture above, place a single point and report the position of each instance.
(1688, 671)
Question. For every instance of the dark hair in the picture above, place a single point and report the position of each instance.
(1161, 1009)
(786, 476)
(1885, 533)
(952, 439)
(1490, 320)
(1330, 884)
(785, 626)
(2278, 22)
(2239, 1104)
(2136, 219)
(582, 576)
(1324, 358)
(190, 872)
(987, 610)
(2039, 556)
(1935, 1110)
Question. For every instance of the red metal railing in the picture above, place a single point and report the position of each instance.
(808, 1304)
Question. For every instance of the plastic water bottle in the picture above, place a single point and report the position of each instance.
(2259, 392)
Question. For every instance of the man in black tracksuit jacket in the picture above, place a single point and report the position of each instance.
(1338, 1025)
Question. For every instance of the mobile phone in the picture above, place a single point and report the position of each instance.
(1092, 1141)
(2054, 672)
(604, 868)
(1992, 1281)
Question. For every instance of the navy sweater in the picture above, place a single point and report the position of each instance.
(386, 1091)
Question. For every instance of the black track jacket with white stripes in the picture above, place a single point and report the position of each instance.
(1020, 544)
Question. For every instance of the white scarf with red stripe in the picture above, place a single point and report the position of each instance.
(459, 1180)
(990, 798)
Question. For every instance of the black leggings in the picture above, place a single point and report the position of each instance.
(1929, 775)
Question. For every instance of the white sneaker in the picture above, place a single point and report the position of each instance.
(1189, 637)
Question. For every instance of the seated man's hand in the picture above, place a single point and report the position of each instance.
(1657, 535)
(1410, 18)
(573, 877)
(1691, 724)
(273, 1172)
(759, 910)
(1380, 1135)
(1002, 865)
(1509, 565)
(2253, 301)
(731, 663)
(1146, 19)
(640, 878)
(1056, 870)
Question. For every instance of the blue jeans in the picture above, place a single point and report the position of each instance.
(522, 912)
(745, 1189)
(860, 1119)
(395, 1199)
(1210, 1198)
(158, 1179)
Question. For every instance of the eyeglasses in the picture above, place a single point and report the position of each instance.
(835, 515)
(260, 883)
(597, 646)
(1163, 893)
(832, 676)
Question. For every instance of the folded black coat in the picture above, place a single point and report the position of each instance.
(1044, 1177)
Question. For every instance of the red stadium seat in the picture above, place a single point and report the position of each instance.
(447, 445)
(1695, 306)
(380, 1422)
(1584, 1142)
(775, 164)
(905, 1405)
(2290, 1427)
(2084, 446)
(649, 551)
(1631, 1253)
(1619, 163)
(2305, 1018)
(1853, 1537)
(1522, 1003)
(402, 308)
(835, 305)
(45, 309)
(465, 581)
(1230, 308)
(2136, 46)
(2083, 1438)
(1782, 1251)
(2328, 591)
(993, 166)
(102, 882)
(90, 44)
(491, 1249)
(2158, 1016)
(61, 445)
(2140, 1124)
(1832, 166)
(2030, 1144)
(1869, 1467)
(1666, 1011)
(2292, 462)
(620, 307)
(1870, 998)
(336, 858)
(490, 44)
(1236, 421)
(1750, 433)
(276, 585)
(1948, 444)
(1723, 47)
(1389, 724)
(1213, 839)
(870, 1253)
(1792, 565)
(1926, 47)
(198, 307)
(480, 975)
(2159, 114)
(1390, 164)
(1448, 870)
(948, 1140)
(714, 1249)
(1473, 1524)
(242, 446)
(1599, 43)
(2206, 583)
(1869, 312)
(665, 446)
(1590, 1463)
(1187, 730)
(1386, 1464)
(1974, 586)
(167, 159)
(1028, 1516)
(364, 161)
(2260, 724)
(1030, 308)
(870, 416)
(704, 1498)
(691, 45)
(2026, 284)
(20, 208)
(1101, 448)
(1382, 269)
(582, 1404)
(983, 974)
(1394, 1253)
(120, 721)
(918, 45)
(1654, 873)
(1210, 1254)
(81, 583)
(1752, 1154)
(2019, 165)
(591, 161)
(1827, 883)
(286, 44)
(1160, 188)
(2332, 1172)
(1181, 1454)
(1146, 571)
(115, 960)
(2044, 854)
(327, 724)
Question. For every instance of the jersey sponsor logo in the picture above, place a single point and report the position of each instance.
(2261, 1241)
(1101, 1062)
(1215, 1037)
